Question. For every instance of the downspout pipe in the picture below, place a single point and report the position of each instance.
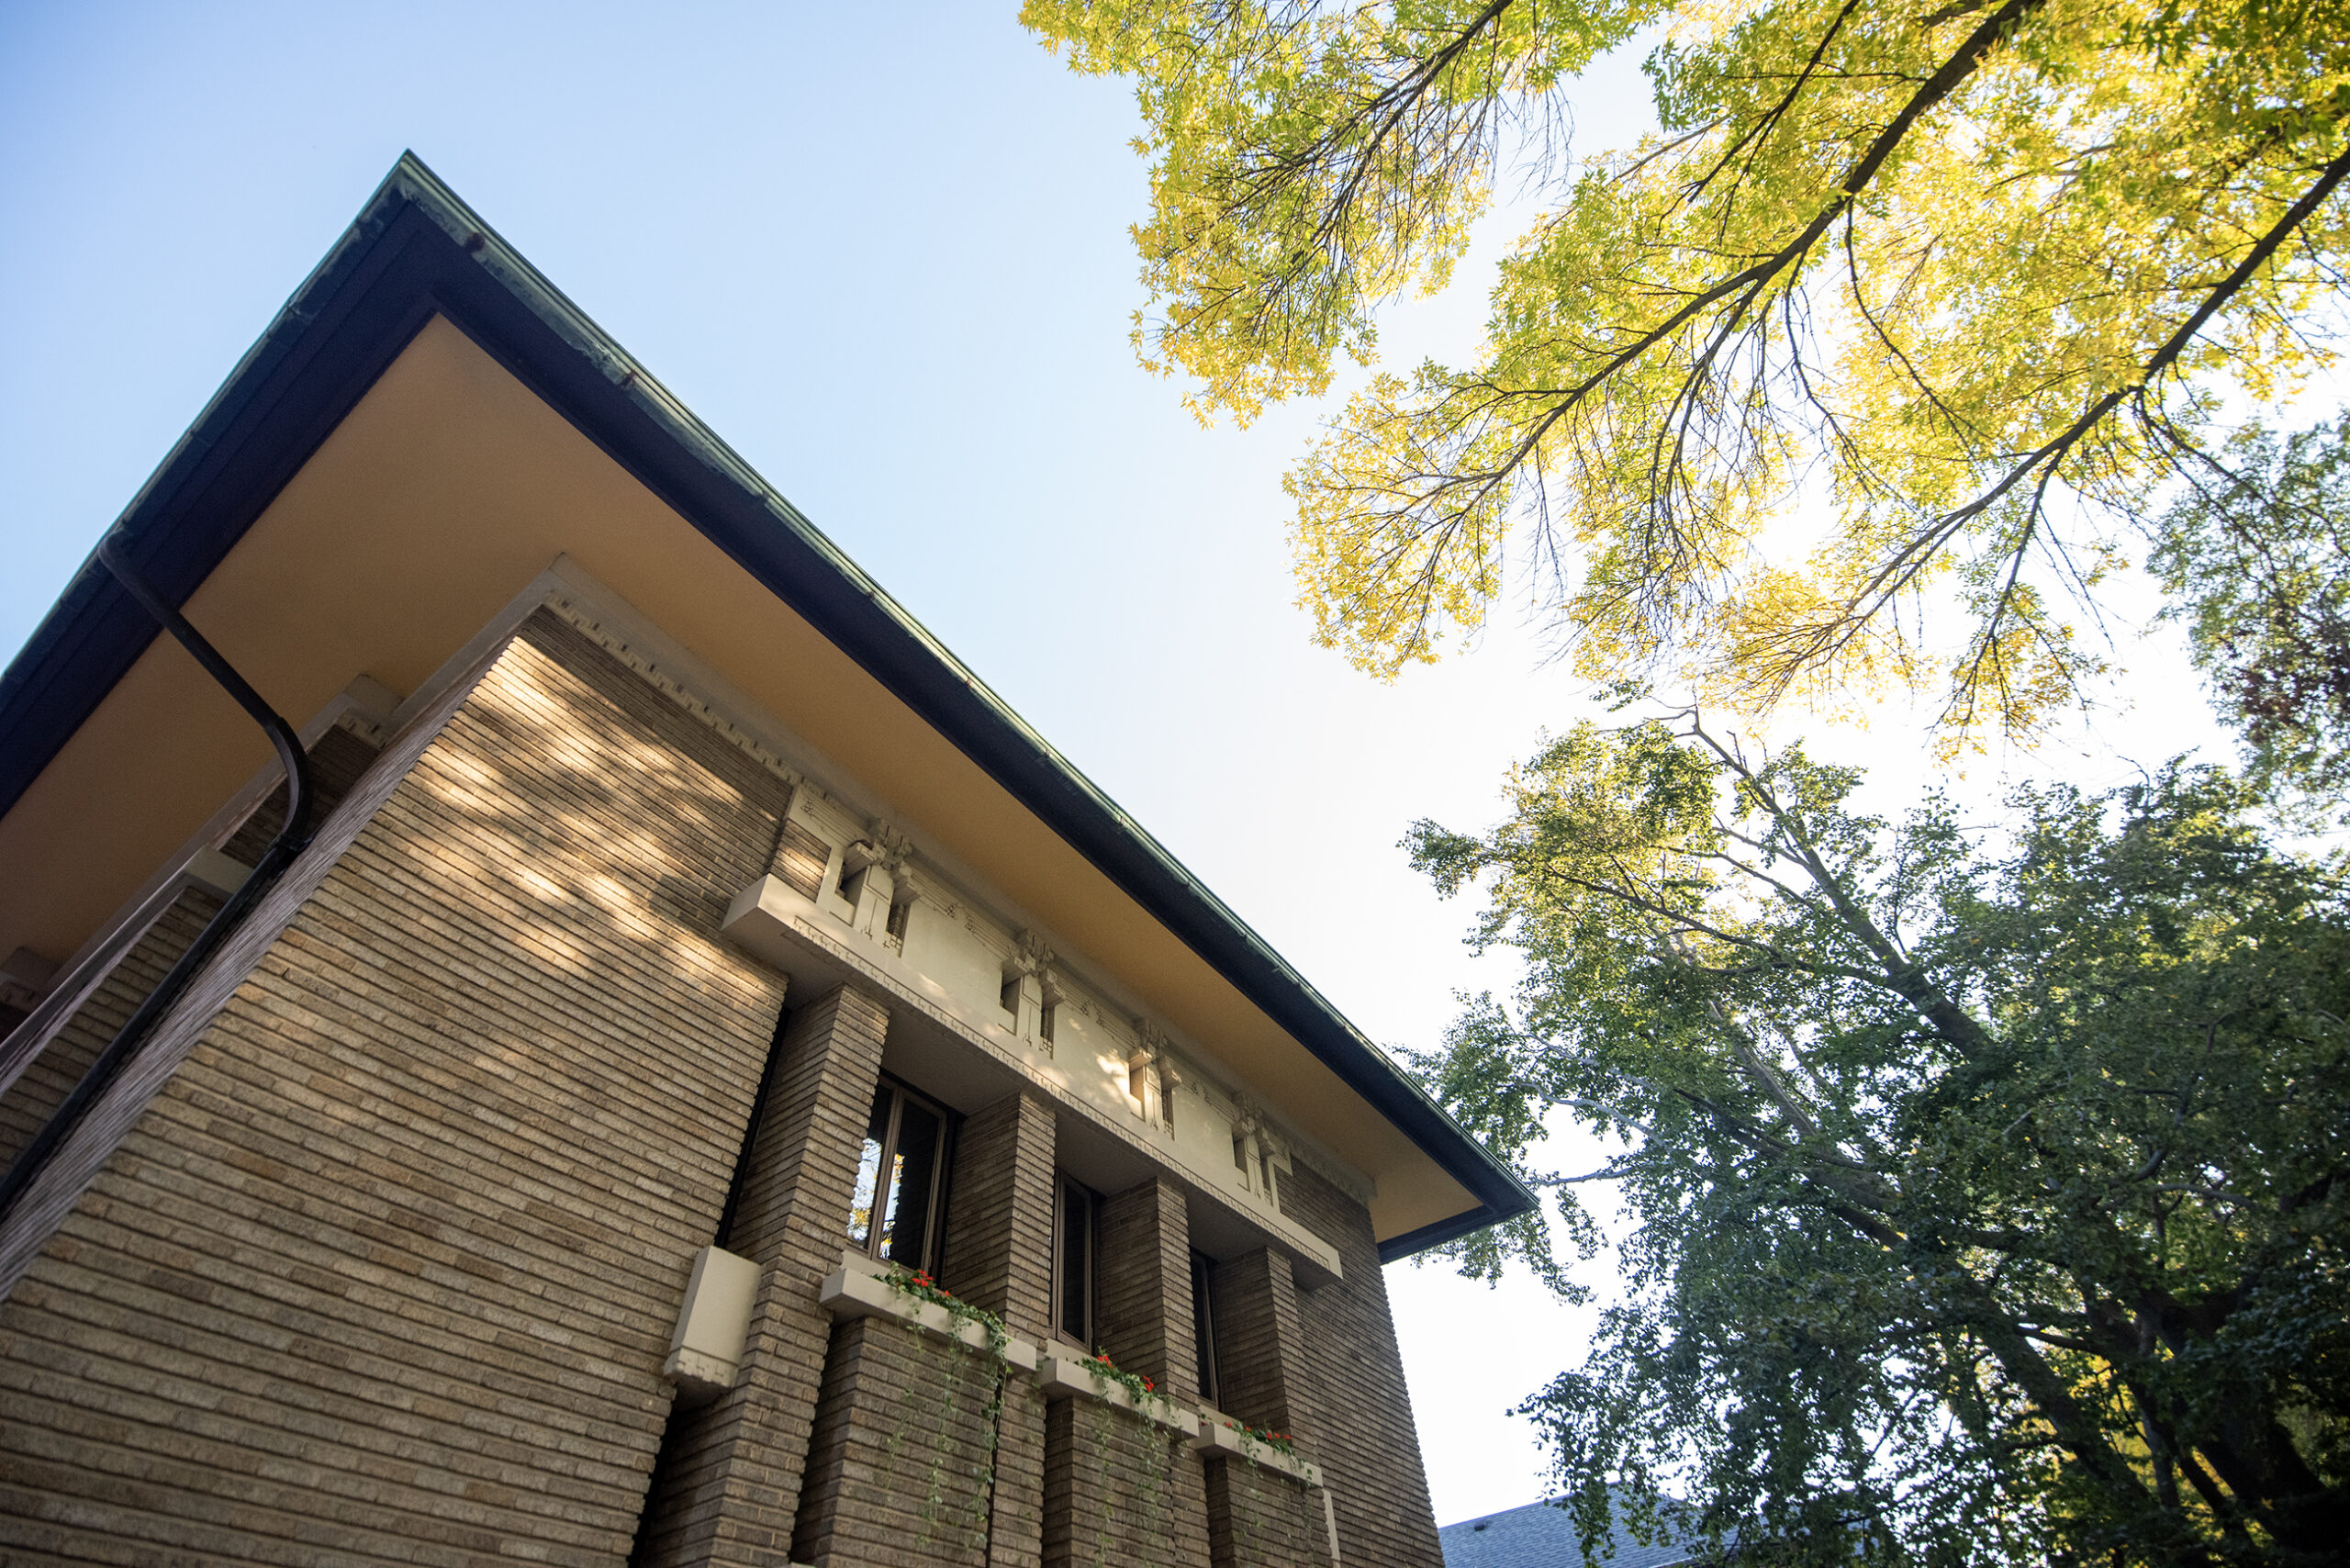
(292, 838)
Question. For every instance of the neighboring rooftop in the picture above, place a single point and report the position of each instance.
(1543, 1535)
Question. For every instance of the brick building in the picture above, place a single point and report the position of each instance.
(504, 1120)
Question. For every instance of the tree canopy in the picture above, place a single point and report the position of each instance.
(1988, 1190)
(1862, 370)
(2255, 553)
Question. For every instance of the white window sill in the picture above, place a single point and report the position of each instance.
(1219, 1433)
(860, 1288)
(1066, 1372)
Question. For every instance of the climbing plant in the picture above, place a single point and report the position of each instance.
(939, 1413)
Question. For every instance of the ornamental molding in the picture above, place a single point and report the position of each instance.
(1024, 950)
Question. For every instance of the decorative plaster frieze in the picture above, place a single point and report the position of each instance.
(588, 621)
(1020, 949)
(1030, 955)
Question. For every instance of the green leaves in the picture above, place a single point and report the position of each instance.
(2257, 554)
(1987, 1188)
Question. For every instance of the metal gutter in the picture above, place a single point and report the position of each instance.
(416, 250)
(292, 838)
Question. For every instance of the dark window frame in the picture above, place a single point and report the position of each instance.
(1066, 1189)
(1204, 1324)
(935, 1216)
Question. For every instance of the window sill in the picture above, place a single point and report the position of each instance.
(860, 1288)
(1065, 1372)
(1220, 1434)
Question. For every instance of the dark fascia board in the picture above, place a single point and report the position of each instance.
(417, 251)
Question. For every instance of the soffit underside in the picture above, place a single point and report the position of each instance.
(443, 493)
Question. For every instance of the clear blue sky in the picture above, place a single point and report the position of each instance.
(883, 252)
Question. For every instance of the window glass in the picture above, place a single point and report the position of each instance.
(869, 1170)
(900, 1175)
(1203, 1323)
(912, 1186)
(1073, 1264)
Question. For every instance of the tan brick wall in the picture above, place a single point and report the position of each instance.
(336, 762)
(902, 1454)
(999, 1253)
(1260, 1519)
(385, 1270)
(999, 1257)
(1118, 1490)
(731, 1481)
(1365, 1440)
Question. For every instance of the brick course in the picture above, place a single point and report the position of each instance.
(1118, 1490)
(730, 1490)
(999, 1256)
(1365, 1440)
(374, 1258)
(383, 1271)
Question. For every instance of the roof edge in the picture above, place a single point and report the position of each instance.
(45, 693)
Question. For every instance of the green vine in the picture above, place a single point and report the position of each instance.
(1148, 1401)
(1157, 1447)
(1250, 1436)
(905, 1281)
(918, 1285)
(1102, 1420)
(982, 1526)
(934, 1506)
(907, 1408)
(1151, 1409)
(1240, 1497)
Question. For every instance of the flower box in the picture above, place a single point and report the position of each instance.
(1061, 1374)
(860, 1288)
(1220, 1434)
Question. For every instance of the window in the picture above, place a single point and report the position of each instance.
(1203, 1322)
(1074, 1215)
(901, 1180)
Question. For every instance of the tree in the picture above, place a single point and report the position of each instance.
(1859, 372)
(2256, 552)
(1989, 1194)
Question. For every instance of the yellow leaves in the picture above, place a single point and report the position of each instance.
(1390, 555)
(1790, 634)
(1952, 362)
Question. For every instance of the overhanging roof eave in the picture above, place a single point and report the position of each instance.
(416, 250)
